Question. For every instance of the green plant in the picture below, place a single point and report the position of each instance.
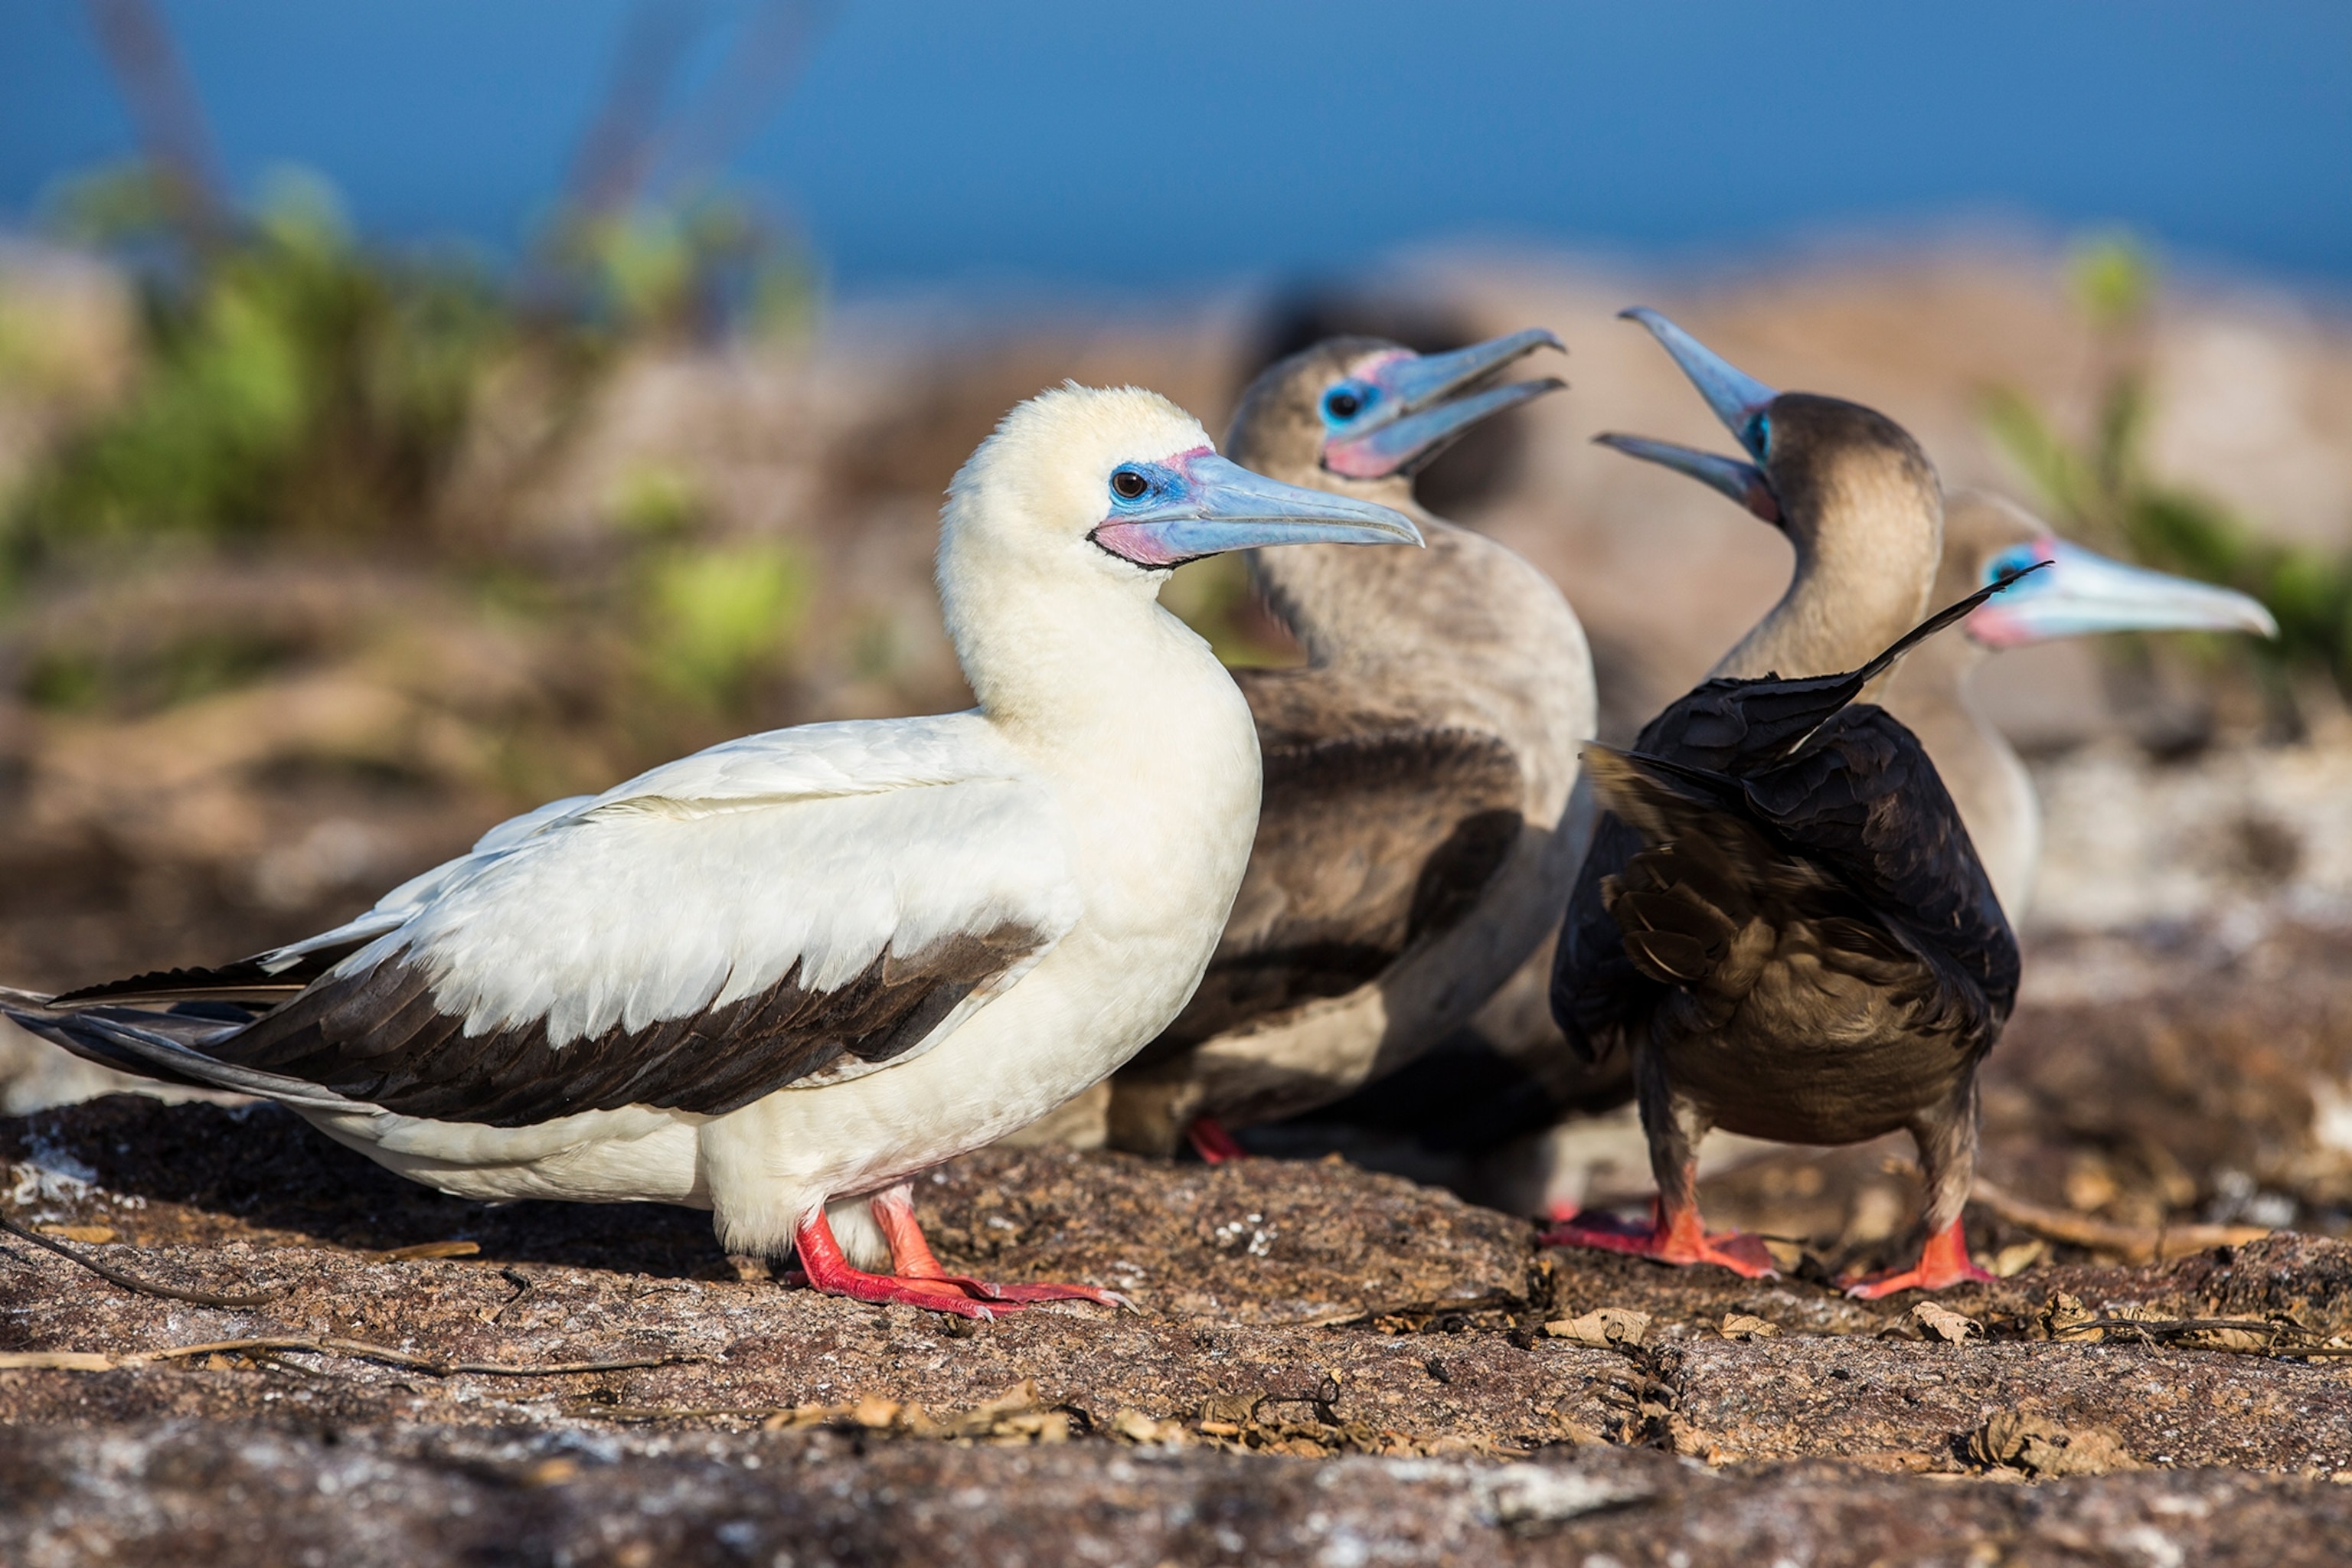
(718, 616)
(2101, 487)
(294, 382)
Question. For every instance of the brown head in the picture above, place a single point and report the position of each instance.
(1855, 495)
(1362, 416)
(1359, 418)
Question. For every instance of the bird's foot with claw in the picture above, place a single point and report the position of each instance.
(941, 1294)
(1681, 1241)
(1944, 1262)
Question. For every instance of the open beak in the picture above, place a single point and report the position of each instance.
(1429, 400)
(1735, 396)
(2084, 592)
(1743, 482)
(1222, 506)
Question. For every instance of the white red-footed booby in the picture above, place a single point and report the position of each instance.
(1782, 919)
(1408, 855)
(780, 978)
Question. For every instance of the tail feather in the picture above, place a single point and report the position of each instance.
(166, 1046)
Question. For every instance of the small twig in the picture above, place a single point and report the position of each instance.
(88, 1360)
(2153, 1328)
(2133, 1243)
(2139, 1244)
(132, 1282)
(522, 1284)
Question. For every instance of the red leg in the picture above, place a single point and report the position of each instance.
(827, 1271)
(1674, 1235)
(911, 1257)
(1943, 1262)
(1213, 1142)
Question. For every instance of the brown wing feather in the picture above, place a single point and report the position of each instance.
(380, 1038)
(1367, 842)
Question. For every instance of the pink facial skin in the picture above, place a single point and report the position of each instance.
(1993, 626)
(1364, 457)
(1142, 542)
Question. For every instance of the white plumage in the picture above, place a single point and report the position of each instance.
(796, 969)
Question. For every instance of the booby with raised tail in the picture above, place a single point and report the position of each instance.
(1409, 852)
(1781, 921)
(780, 977)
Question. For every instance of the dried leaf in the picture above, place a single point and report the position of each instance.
(1740, 1326)
(2012, 1261)
(2038, 1445)
(2064, 1316)
(91, 1235)
(1937, 1321)
(1602, 1328)
(1137, 1427)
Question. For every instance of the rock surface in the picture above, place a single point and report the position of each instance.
(1327, 1366)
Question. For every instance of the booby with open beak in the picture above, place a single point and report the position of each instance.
(1408, 854)
(780, 977)
(1782, 918)
(2081, 593)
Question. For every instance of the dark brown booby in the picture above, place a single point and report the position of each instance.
(1408, 856)
(1781, 921)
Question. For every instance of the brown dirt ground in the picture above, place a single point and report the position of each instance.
(1288, 1312)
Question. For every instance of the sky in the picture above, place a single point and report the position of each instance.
(1081, 143)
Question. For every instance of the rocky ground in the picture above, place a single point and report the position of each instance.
(1324, 1365)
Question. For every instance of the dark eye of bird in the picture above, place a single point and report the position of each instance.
(1342, 405)
(2009, 561)
(1127, 484)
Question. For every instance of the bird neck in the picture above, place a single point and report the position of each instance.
(1863, 573)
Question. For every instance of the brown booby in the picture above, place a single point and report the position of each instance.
(780, 977)
(2081, 593)
(1781, 921)
(1409, 853)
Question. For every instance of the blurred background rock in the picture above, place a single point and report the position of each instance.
(323, 550)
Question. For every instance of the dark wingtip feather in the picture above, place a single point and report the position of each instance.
(244, 980)
(1950, 614)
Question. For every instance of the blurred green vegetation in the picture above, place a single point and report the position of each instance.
(299, 395)
(1213, 596)
(2101, 488)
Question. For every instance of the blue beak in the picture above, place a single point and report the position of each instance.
(1735, 396)
(1417, 413)
(2084, 592)
(1743, 482)
(1210, 505)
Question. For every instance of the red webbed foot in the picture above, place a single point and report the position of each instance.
(911, 1258)
(1943, 1263)
(823, 1268)
(1213, 1142)
(1680, 1240)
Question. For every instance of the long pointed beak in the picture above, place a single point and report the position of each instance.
(1224, 507)
(1422, 413)
(1743, 482)
(2084, 592)
(1735, 396)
